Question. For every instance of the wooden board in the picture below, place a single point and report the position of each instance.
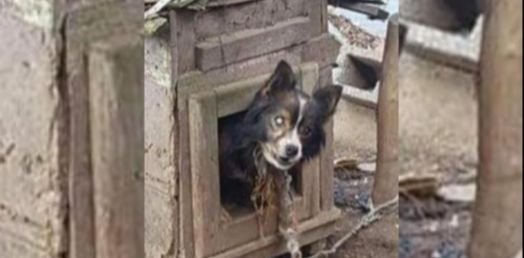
(116, 113)
(215, 22)
(203, 126)
(87, 23)
(220, 51)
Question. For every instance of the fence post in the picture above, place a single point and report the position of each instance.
(90, 28)
(386, 179)
(497, 219)
(116, 114)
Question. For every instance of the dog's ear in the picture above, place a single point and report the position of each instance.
(326, 100)
(282, 79)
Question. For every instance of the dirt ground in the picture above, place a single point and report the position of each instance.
(437, 136)
(438, 124)
(355, 139)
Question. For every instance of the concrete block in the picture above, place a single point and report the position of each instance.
(160, 184)
(32, 199)
(459, 51)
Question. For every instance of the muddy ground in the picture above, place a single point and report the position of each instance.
(437, 136)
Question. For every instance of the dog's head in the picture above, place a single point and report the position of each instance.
(286, 122)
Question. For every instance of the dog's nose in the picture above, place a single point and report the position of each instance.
(291, 151)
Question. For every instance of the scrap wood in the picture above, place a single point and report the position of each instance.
(420, 185)
(345, 163)
(373, 216)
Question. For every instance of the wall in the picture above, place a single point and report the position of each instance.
(32, 196)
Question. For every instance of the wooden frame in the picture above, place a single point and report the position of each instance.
(203, 106)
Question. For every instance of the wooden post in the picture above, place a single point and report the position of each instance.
(117, 133)
(497, 219)
(386, 179)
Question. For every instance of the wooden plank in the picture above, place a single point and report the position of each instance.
(310, 182)
(180, 36)
(178, 230)
(311, 185)
(326, 171)
(497, 219)
(220, 51)
(203, 126)
(184, 28)
(196, 81)
(385, 185)
(215, 22)
(272, 246)
(116, 113)
(86, 23)
(185, 182)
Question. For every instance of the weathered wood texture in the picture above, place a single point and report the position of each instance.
(85, 24)
(117, 135)
(222, 36)
(386, 179)
(251, 15)
(220, 51)
(497, 220)
(203, 125)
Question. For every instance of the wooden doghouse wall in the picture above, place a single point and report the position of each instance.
(222, 44)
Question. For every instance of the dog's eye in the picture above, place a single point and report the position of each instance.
(305, 131)
(279, 120)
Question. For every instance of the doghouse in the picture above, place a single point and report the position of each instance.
(204, 65)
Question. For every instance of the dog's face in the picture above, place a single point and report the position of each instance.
(287, 123)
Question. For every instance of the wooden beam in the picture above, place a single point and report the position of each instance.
(117, 120)
(497, 219)
(386, 178)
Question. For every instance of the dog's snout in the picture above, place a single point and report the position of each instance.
(291, 151)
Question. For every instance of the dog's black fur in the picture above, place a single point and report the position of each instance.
(240, 134)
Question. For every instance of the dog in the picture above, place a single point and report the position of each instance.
(283, 122)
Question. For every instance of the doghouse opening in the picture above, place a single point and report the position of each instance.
(235, 194)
